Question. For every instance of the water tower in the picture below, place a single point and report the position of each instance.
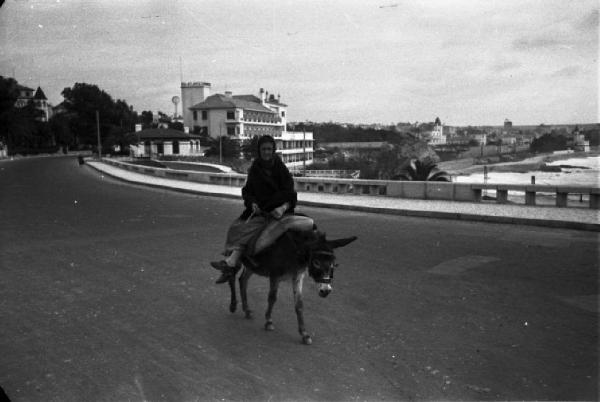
(175, 101)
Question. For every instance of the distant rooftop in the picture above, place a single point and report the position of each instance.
(220, 101)
(165, 133)
(39, 94)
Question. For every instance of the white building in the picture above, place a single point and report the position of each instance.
(294, 146)
(436, 135)
(243, 117)
(37, 98)
(579, 141)
(508, 140)
(164, 141)
(481, 138)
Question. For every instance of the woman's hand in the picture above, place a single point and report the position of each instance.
(278, 212)
(255, 208)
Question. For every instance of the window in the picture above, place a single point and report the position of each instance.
(230, 130)
(230, 115)
(204, 115)
(195, 115)
(283, 113)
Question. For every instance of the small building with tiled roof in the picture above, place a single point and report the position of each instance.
(165, 141)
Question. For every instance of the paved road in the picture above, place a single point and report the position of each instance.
(106, 296)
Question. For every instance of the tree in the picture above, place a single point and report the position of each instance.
(146, 119)
(8, 94)
(549, 143)
(422, 170)
(116, 117)
(176, 125)
(387, 162)
(17, 125)
(82, 102)
(593, 136)
(224, 146)
(250, 148)
(59, 126)
(163, 117)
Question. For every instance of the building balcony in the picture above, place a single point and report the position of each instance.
(295, 150)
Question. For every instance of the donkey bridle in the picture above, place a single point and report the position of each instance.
(331, 267)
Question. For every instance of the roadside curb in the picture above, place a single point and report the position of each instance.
(461, 216)
(390, 211)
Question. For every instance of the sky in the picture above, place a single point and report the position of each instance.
(468, 62)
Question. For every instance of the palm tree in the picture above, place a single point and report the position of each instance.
(422, 170)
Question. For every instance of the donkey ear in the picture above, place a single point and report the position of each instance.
(341, 242)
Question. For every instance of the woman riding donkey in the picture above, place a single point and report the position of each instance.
(268, 194)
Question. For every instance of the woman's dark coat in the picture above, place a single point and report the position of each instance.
(268, 187)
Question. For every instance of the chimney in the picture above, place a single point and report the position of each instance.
(262, 95)
(228, 94)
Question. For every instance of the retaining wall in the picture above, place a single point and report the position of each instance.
(424, 190)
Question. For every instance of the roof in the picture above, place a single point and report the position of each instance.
(219, 101)
(23, 88)
(165, 134)
(39, 94)
(249, 98)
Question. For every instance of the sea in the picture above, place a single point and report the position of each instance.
(580, 171)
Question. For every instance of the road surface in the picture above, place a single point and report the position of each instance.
(107, 296)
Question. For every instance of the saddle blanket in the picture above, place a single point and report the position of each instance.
(275, 229)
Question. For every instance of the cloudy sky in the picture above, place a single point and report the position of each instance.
(470, 62)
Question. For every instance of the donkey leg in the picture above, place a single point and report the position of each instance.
(299, 305)
(244, 291)
(273, 286)
(233, 300)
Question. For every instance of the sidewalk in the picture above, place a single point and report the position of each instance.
(570, 218)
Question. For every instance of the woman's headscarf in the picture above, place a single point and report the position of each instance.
(263, 163)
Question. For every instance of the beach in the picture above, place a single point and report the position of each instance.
(575, 169)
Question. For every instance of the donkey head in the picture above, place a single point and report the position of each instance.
(321, 262)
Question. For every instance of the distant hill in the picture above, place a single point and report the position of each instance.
(333, 132)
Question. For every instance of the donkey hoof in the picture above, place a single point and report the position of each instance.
(269, 326)
(307, 340)
(232, 308)
(248, 314)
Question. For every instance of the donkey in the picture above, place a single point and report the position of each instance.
(289, 258)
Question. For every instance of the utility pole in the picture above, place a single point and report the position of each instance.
(220, 144)
(98, 130)
(304, 151)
